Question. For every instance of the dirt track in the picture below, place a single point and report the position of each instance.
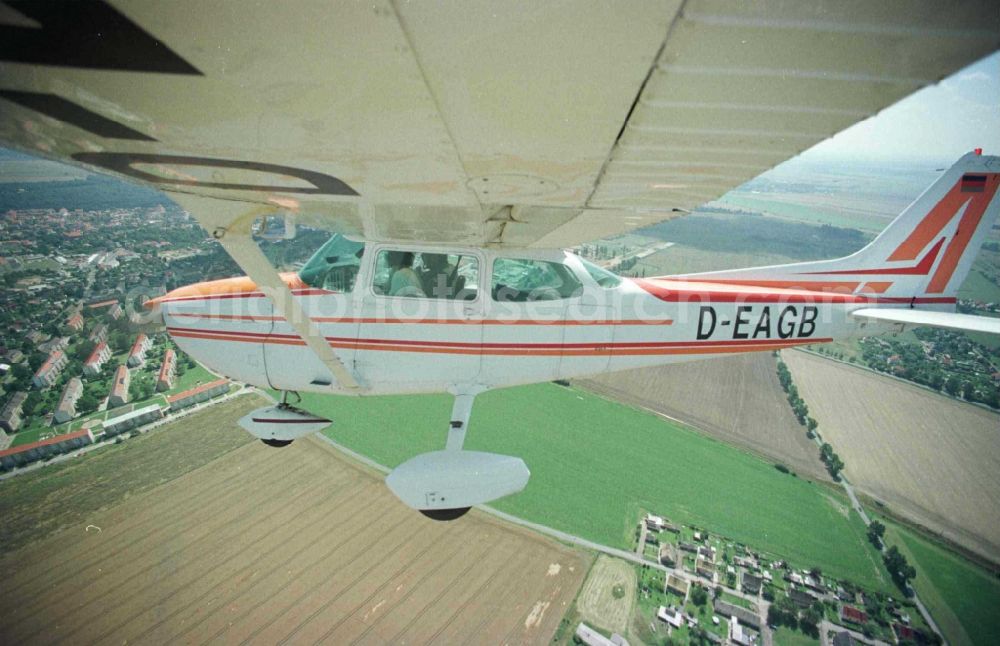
(932, 459)
(735, 399)
(291, 545)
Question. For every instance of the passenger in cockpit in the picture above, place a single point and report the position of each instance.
(404, 280)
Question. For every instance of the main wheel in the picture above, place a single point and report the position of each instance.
(445, 514)
(277, 443)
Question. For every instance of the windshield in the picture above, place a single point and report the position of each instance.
(335, 265)
(603, 277)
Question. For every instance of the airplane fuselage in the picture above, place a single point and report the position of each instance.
(408, 344)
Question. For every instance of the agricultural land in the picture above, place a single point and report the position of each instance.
(270, 545)
(596, 464)
(930, 458)
(735, 399)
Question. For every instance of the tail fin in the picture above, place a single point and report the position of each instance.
(925, 253)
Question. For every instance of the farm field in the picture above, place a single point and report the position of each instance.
(792, 208)
(39, 503)
(735, 399)
(931, 459)
(607, 596)
(596, 464)
(294, 544)
(962, 598)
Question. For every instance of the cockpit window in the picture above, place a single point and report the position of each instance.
(426, 275)
(335, 265)
(519, 280)
(603, 277)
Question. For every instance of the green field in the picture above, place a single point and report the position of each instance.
(26, 437)
(963, 599)
(787, 637)
(597, 465)
(191, 378)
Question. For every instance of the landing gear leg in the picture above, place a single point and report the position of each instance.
(444, 485)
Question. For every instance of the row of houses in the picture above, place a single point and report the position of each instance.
(201, 393)
(26, 453)
(48, 372)
(131, 420)
(21, 455)
(66, 408)
(10, 416)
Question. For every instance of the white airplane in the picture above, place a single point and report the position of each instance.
(455, 149)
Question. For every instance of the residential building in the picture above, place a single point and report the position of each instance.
(116, 311)
(199, 394)
(119, 387)
(844, 638)
(66, 410)
(97, 359)
(36, 337)
(14, 356)
(671, 616)
(134, 419)
(137, 356)
(668, 554)
(49, 371)
(802, 597)
(739, 636)
(654, 523)
(591, 637)
(56, 343)
(99, 333)
(853, 615)
(26, 453)
(10, 416)
(677, 585)
(165, 380)
(747, 617)
(751, 583)
(705, 568)
(75, 322)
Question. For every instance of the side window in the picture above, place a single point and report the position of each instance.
(602, 276)
(517, 281)
(334, 266)
(426, 275)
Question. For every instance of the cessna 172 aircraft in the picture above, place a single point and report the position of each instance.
(455, 149)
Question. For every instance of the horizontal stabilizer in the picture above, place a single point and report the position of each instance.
(936, 319)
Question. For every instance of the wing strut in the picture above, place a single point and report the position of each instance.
(230, 223)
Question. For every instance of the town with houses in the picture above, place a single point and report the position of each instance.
(78, 362)
(696, 587)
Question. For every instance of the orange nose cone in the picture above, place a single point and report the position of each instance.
(222, 287)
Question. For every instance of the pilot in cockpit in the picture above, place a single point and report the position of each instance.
(438, 275)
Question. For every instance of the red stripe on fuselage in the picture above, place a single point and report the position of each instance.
(522, 349)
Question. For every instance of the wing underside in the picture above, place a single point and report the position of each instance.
(518, 124)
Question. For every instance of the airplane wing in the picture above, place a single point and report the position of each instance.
(913, 318)
(518, 123)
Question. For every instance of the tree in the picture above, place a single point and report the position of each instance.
(699, 596)
(783, 612)
(876, 531)
(901, 571)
